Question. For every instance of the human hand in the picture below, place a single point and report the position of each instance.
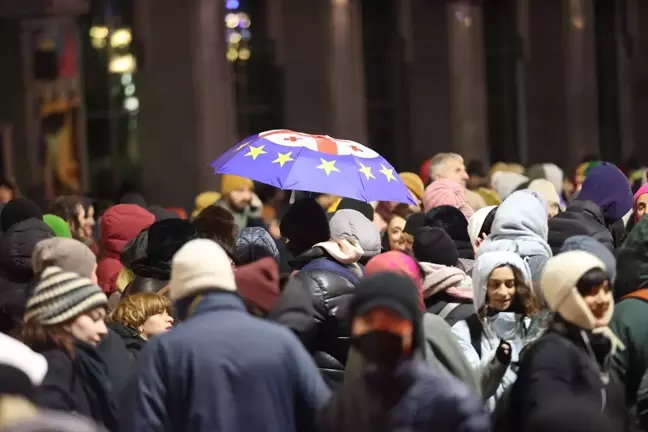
(503, 353)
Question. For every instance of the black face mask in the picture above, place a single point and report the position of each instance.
(381, 349)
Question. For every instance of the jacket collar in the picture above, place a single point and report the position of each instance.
(218, 300)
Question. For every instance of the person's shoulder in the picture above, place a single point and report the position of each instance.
(436, 385)
(59, 364)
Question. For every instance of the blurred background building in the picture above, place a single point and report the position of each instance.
(101, 95)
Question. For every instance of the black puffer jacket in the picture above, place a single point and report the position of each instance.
(314, 304)
(580, 218)
(16, 272)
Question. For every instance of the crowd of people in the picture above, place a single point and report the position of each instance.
(509, 299)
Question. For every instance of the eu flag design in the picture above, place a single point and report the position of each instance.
(314, 163)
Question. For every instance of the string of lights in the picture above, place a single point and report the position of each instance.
(237, 33)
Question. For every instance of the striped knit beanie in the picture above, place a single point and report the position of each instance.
(61, 296)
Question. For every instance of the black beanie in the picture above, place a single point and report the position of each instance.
(393, 291)
(487, 225)
(305, 224)
(414, 224)
(451, 220)
(18, 210)
(434, 245)
(352, 204)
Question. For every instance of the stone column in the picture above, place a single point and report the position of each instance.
(447, 87)
(638, 40)
(320, 50)
(581, 89)
(561, 82)
(187, 111)
(468, 85)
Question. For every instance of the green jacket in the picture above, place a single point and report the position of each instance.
(630, 319)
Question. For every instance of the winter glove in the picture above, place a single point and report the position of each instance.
(503, 353)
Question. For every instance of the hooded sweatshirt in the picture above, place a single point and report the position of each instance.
(349, 223)
(607, 187)
(520, 226)
(119, 225)
(511, 327)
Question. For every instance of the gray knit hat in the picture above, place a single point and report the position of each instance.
(60, 296)
(68, 254)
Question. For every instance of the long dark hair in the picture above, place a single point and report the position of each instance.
(39, 337)
(525, 301)
(66, 207)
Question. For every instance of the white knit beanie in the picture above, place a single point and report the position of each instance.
(559, 278)
(200, 265)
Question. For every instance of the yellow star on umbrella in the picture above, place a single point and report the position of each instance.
(256, 151)
(388, 172)
(327, 166)
(282, 158)
(366, 170)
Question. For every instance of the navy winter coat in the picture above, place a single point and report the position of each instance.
(224, 370)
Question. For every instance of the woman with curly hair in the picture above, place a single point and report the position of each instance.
(139, 317)
(493, 337)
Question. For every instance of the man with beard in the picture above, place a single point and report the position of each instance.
(239, 199)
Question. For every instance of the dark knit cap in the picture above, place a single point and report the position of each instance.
(414, 223)
(217, 223)
(488, 222)
(352, 204)
(18, 210)
(162, 213)
(389, 290)
(135, 198)
(434, 245)
(451, 220)
(61, 296)
(305, 224)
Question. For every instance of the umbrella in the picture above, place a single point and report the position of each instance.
(314, 163)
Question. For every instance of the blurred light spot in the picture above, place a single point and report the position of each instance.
(244, 54)
(246, 35)
(232, 54)
(244, 20)
(231, 20)
(129, 90)
(578, 22)
(99, 32)
(126, 79)
(98, 43)
(235, 37)
(131, 104)
(122, 64)
(121, 37)
(231, 4)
